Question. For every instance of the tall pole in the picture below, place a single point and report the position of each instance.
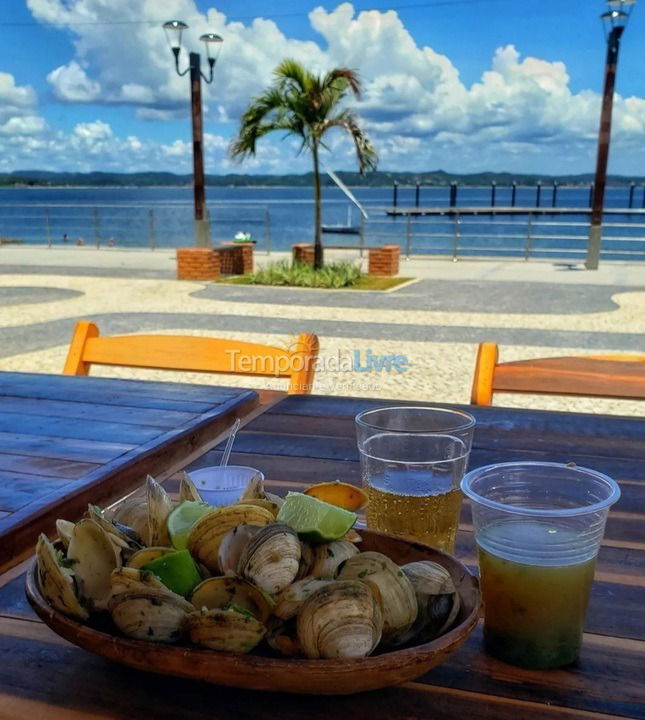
(202, 233)
(604, 133)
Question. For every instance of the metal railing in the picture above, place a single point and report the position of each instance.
(527, 237)
(129, 225)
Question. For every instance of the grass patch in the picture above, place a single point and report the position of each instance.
(334, 276)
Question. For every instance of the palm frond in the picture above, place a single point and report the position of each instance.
(365, 153)
(341, 79)
(292, 73)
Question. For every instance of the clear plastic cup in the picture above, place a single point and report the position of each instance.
(538, 528)
(221, 486)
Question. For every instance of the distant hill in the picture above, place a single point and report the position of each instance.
(381, 178)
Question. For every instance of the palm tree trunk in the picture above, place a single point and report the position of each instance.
(318, 248)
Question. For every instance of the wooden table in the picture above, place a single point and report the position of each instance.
(66, 441)
(305, 439)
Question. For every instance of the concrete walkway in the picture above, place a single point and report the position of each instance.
(530, 309)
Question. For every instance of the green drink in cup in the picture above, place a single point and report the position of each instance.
(538, 528)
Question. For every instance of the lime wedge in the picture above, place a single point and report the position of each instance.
(315, 520)
(177, 571)
(181, 520)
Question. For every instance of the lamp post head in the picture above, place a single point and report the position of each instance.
(213, 44)
(174, 30)
(617, 16)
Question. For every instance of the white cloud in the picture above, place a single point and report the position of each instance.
(71, 83)
(520, 115)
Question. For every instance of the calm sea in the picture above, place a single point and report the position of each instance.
(280, 217)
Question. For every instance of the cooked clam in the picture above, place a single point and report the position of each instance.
(150, 615)
(207, 533)
(188, 490)
(126, 579)
(159, 507)
(391, 588)
(272, 507)
(340, 620)
(219, 592)
(225, 629)
(437, 598)
(271, 557)
(283, 637)
(133, 513)
(56, 582)
(233, 545)
(329, 556)
(148, 554)
(291, 599)
(306, 560)
(255, 490)
(94, 557)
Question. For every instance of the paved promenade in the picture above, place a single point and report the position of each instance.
(531, 309)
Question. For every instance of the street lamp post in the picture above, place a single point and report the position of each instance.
(174, 30)
(614, 21)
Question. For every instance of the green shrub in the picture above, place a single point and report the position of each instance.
(334, 275)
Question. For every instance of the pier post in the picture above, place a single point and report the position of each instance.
(395, 193)
(48, 232)
(529, 237)
(538, 193)
(456, 238)
(97, 228)
(554, 197)
(590, 193)
(493, 192)
(151, 229)
(417, 191)
(453, 193)
(632, 187)
(513, 193)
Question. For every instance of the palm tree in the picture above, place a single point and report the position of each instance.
(301, 103)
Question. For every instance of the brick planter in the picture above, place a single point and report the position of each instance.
(235, 258)
(303, 253)
(198, 264)
(384, 260)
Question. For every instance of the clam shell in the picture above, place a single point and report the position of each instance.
(328, 557)
(64, 528)
(225, 630)
(218, 592)
(283, 638)
(152, 616)
(437, 598)
(272, 507)
(271, 558)
(391, 588)
(126, 579)
(340, 620)
(306, 560)
(291, 599)
(122, 535)
(207, 533)
(94, 557)
(188, 490)
(159, 507)
(56, 582)
(232, 547)
(146, 555)
(133, 513)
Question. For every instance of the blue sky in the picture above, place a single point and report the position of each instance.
(465, 85)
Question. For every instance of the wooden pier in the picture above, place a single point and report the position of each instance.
(501, 210)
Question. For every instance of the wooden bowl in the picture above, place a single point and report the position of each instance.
(316, 677)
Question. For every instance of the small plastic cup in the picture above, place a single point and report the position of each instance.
(221, 486)
(538, 528)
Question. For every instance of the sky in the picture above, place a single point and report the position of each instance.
(458, 85)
